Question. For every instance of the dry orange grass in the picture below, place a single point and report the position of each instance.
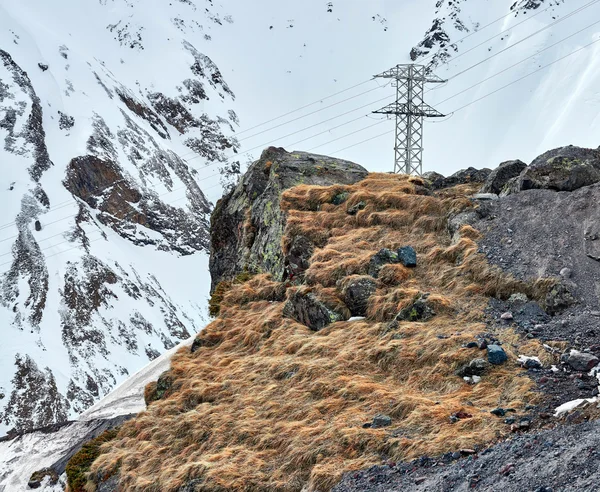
(274, 406)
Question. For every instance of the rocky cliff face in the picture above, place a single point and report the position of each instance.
(248, 223)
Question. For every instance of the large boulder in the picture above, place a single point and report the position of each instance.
(247, 224)
(464, 176)
(500, 176)
(357, 291)
(305, 307)
(564, 169)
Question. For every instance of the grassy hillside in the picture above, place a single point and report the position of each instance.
(267, 404)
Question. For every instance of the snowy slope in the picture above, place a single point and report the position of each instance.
(24, 455)
(104, 234)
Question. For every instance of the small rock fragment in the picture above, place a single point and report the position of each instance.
(496, 355)
(498, 412)
(507, 316)
(380, 421)
(408, 256)
(582, 361)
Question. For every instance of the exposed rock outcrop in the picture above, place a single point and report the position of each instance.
(247, 224)
(500, 176)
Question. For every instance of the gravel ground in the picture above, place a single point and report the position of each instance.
(563, 459)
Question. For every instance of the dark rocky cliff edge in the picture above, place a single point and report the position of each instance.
(247, 224)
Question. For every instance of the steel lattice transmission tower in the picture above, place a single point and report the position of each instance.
(410, 109)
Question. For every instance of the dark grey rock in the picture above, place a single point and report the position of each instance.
(418, 310)
(255, 203)
(496, 355)
(354, 209)
(383, 257)
(357, 293)
(500, 176)
(380, 421)
(563, 169)
(476, 367)
(306, 308)
(407, 256)
(340, 198)
(498, 412)
(464, 176)
(581, 361)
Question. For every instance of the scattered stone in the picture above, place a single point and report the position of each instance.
(507, 469)
(581, 361)
(462, 415)
(357, 293)
(380, 421)
(485, 196)
(43, 67)
(499, 177)
(498, 412)
(482, 344)
(420, 480)
(507, 316)
(566, 273)
(595, 314)
(467, 452)
(306, 308)
(419, 310)
(510, 420)
(383, 257)
(474, 368)
(38, 226)
(496, 355)
(408, 256)
(354, 209)
(472, 345)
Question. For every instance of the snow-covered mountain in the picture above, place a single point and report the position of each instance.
(103, 236)
(118, 118)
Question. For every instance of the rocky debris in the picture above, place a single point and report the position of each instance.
(581, 361)
(476, 367)
(464, 176)
(455, 417)
(420, 309)
(255, 202)
(357, 292)
(381, 258)
(407, 256)
(472, 379)
(499, 177)
(547, 233)
(43, 66)
(432, 177)
(380, 421)
(305, 307)
(508, 316)
(496, 355)
(563, 458)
